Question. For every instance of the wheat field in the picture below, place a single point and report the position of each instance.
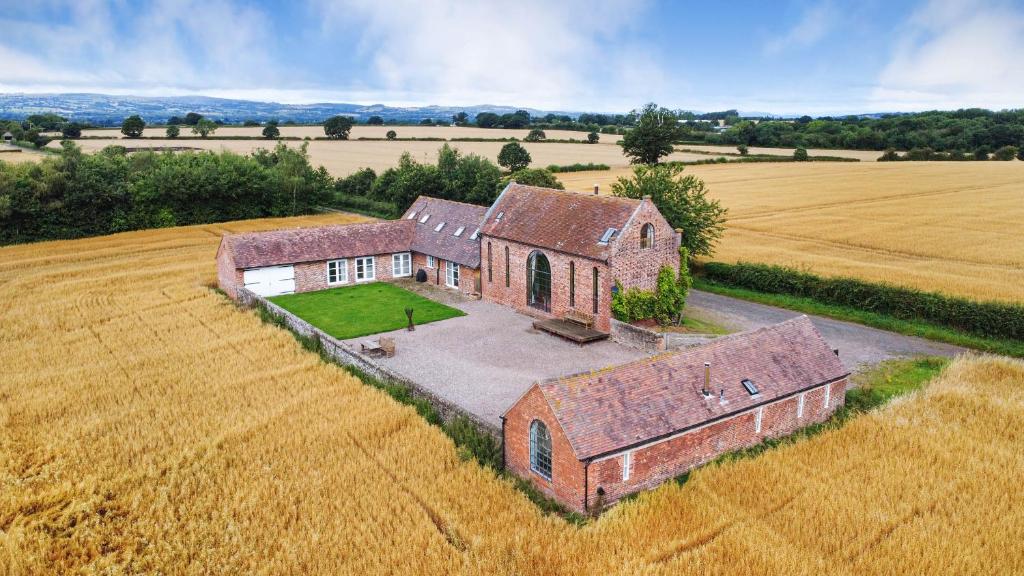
(954, 227)
(147, 425)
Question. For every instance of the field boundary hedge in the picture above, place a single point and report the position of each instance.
(989, 319)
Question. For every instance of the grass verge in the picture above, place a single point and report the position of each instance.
(875, 320)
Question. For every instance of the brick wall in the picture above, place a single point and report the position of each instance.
(636, 267)
(229, 278)
(494, 289)
(658, 462)
(468, 277)
(566, 484)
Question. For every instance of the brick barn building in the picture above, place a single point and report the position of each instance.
(592, 438)
(548, 252)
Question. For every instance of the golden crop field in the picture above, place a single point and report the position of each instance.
(954, 227)
(147, 425)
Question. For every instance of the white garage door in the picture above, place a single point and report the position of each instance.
(270, 281)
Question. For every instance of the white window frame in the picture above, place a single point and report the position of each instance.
(757, 419)
(459, 231)
(372, 260)
(339, 266)
(424, 218)
(396, 260)
(627, 465)
(412, 215)
(800, 405)
(439, 227)
(451, 272)
(431, 262)
(828, 395)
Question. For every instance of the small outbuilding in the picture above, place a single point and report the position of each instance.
(8, 137)
(589, 439)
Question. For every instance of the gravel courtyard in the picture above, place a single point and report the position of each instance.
(485, 360)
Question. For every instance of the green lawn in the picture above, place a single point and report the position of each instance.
(354, 311)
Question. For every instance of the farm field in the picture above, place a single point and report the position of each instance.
(954, 227)
(147, 425)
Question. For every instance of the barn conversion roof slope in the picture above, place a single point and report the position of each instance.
(457, 240)
(610, 410)
(277, 247)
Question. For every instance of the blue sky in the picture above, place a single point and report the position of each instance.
(783, 56)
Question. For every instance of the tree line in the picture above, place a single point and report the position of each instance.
(73, 195)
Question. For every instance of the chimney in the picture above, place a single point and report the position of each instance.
(706, 389)
(596, 188)
(647, 197)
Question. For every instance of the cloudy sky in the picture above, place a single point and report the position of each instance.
(779, 56)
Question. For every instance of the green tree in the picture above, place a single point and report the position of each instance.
(541, 177)
(271, 131)
(375, 121)
(338, 127)
(682, 200)
(800, 155)
(71, 130)
(204, 128)
(669, 298)
(487, 120)
(426, 122)
(513, 157)
(536, 135)
(652, 138)
(175, 120)
(1020, 153)
(192, 118)
(981, 153)
(1005, 153)
(593, 138)
(250, 123)
(391, 135)
(133, 126)
(173, 131)
(743, 150)
(890, 155)
(460, 119)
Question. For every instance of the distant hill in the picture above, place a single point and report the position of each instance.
(104, 110)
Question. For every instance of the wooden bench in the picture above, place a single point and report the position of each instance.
(380, 347)
(580, 318)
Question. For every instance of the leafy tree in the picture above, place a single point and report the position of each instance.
(460, 119)
(173, 131)
(391, 135)
(250, 123)
(536, 135)
(426, 122)
(1006, 153)
(192, 118)
(652, 138)
(204, 127)
(800, 155)
(48, 122)
(271, 131)
(338, 127)
(358, 183)
(518, 119)
(890, 155)
(683, 200)
(133, 126)
(375, 121)
(72, 130)
(1020, 153)
(669, 298)
(541, 177)
(487, 120)
(513, 157)
(174, 120)
(593, 138)
(981, 153)
(743, 150)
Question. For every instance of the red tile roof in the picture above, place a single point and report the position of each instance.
(558, 220)
(277, 247)
(444, 244)
(605, 411)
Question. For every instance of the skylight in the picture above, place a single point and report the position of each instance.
(460, 230)
(749, 385)
(607, 236)
(439, 227)
(425, 218)
(498, 217)
(475, 235)
(411, 215)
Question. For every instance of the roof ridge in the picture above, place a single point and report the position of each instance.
(470, 204)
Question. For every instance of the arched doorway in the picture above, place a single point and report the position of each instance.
(538, 281)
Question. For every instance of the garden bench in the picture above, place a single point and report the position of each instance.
(580, 318)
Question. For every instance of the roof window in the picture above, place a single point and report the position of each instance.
(475, 235)
(425, 218)
(439, 227)
(459, 230)
(411, 215)
(607, 236)
(750, 386)
(498, 217)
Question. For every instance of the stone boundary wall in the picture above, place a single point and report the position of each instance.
(651, 341)
(349, 356)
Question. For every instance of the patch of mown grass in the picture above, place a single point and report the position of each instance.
(875, 320)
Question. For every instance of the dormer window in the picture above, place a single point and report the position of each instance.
(425, 218)
(439, 227)
(750, 386)
(459, 231)
(607, 236)
(411, 215)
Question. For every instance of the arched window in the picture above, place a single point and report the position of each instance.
(538, 281)
(647, 236)
(540, 449)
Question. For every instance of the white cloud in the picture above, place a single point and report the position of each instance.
(531, 53)
(815, 23)
(956, 54)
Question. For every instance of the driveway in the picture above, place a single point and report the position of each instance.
(858, 345)
(486, 360)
